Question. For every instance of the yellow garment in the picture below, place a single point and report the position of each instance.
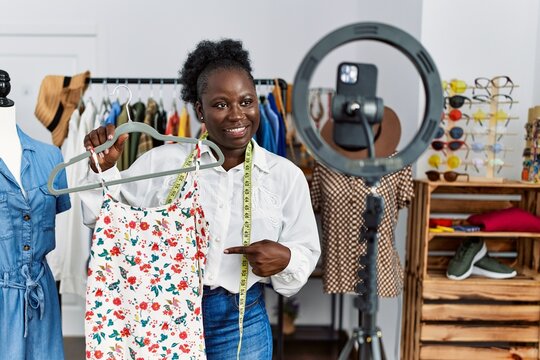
(183, 128)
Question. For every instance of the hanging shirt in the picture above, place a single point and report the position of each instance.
(145, 140)
(173, 123)
(281, 144)
(116, 109)
(341, 200)
(139, 112)
(184, 127)
(73, 274)
(123, 162)
(30, 323)
(265, 135)
(56, 258)
(279, 213)
(273, 120)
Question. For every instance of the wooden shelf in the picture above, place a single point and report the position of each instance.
(521, 288)
(485, 234)
(503, 184)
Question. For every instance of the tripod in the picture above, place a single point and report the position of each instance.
(367, 335)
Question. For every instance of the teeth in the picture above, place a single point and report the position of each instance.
(236, 130)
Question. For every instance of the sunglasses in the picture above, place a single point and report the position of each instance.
(478, 163)
(496, 82)
(453, 145)
(456, 115)
(455, 86)
(455, 133)
(457, 101)
(449, 176)
(499, 131)
(452, 161)
(483, 98)
(479, 147)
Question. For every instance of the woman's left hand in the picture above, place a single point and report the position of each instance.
(266, 257)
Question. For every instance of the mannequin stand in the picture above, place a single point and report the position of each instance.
(368, 335)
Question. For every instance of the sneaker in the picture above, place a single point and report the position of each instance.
(469, 252)
(491, 268)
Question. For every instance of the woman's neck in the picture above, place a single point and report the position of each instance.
(233, 158)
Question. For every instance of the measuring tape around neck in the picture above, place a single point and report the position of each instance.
(246, 227)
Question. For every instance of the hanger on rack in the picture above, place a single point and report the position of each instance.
(131, 127)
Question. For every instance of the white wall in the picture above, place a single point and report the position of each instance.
(496, 37)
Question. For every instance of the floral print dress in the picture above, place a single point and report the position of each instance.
(144, 288)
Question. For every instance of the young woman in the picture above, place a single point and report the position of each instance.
(284, 244)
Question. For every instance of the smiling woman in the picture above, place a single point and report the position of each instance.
(258, 226)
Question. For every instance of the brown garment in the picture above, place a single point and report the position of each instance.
(341, 201)
(145, 141)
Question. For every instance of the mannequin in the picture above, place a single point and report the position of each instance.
(341, 201)
(10, 146)
(33, 329)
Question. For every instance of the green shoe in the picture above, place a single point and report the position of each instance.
(491, 268)
(469, 252)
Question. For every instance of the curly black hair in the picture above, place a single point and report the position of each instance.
(207, 57)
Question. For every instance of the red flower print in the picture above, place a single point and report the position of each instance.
(132, 280)
(99, 292)
(192, 212)
(199, 255)
(137, 260)
(165, 327)
(182, 285)
(172, 208)
(132, 224)
(144, 226)
(117, 301)
(107, 220)
(197, 311)
(184, 348)
(98, 354)
(183, 335)
(88, 354)
(119, 315)
(88, 315)
(146, 341)
(125, 332)
(153, 348)
(143, 305)
(179, 257)
(89, 272)
(176, 268)
(172, 243)
(203, 232)
(155, 306)
(155, 247)
(115, 251)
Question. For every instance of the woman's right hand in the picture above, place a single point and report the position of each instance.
(107, 159)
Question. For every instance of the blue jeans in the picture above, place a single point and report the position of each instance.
(220, 317)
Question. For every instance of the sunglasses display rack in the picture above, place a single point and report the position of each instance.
(531, 154)
(474, 140)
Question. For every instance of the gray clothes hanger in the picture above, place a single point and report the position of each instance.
(131, 127)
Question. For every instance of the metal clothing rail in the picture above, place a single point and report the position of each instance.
(166, 81)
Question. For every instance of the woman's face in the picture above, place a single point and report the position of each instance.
(229, 108)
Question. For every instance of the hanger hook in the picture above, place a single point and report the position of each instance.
(129, 100)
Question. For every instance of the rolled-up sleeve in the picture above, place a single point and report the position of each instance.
(300, 235)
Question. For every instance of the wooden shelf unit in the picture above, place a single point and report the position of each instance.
(475, 318)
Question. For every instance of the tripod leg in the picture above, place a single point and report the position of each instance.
(344, 355)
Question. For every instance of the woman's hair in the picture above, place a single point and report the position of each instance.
(207, 57)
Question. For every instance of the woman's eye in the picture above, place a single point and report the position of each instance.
(247, 102)
(221, 105)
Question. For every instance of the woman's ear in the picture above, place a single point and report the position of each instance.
(199, 111)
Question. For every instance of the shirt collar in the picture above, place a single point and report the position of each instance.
(27, 143)
(259, 156)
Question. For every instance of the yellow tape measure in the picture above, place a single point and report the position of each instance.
(246, 228)
(246, 239)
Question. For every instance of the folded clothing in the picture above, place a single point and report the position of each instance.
(467, 228)
(511, 219)
(434, 222)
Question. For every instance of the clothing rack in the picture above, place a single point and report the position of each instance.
(174, 81)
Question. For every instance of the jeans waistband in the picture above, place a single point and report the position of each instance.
(207, 290)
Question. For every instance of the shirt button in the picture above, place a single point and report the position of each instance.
(26, 247)
(218, 239)
(26, 217)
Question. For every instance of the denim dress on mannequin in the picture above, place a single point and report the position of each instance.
(30, 323)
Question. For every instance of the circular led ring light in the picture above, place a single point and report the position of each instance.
(370, 168)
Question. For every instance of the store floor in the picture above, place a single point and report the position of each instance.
(74, 350)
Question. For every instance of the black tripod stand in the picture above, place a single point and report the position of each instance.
(368, 335)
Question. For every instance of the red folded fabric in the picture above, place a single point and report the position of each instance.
(434, 222)
(511, 219)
